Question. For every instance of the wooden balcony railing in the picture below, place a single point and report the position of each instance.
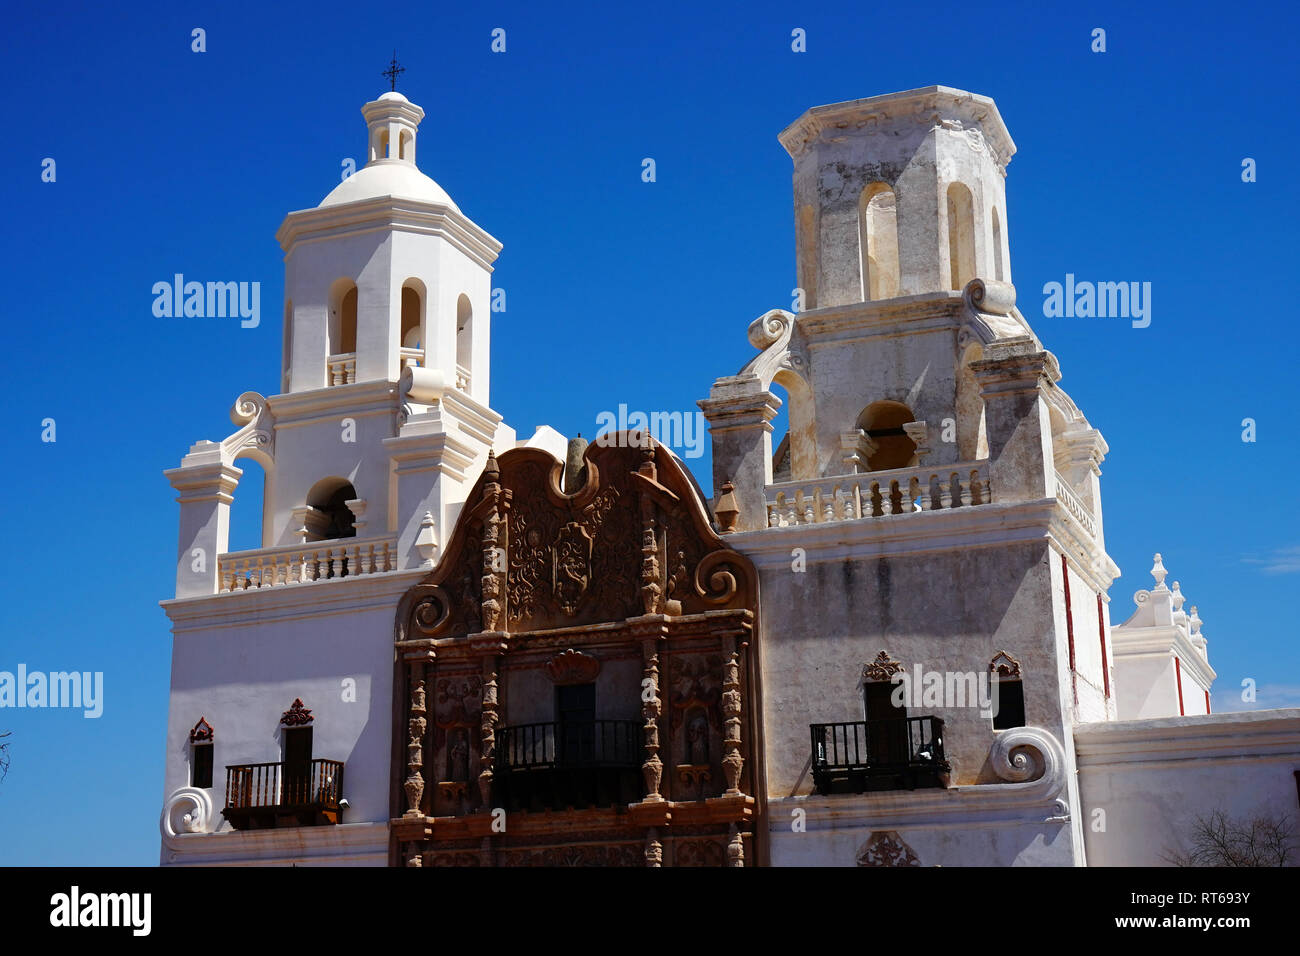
(277, 794)
(893, 754)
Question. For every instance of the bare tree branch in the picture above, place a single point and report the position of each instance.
(1218, 840)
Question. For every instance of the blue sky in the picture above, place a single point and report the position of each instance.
(1129, 168)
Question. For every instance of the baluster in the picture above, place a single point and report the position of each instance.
(978, 492)
(954, 490)
(967, 492)
(367, 560)
(772, 520)
(806, 504)
(914, 494)
(895, 497)
(876, 509)
(856, 504)
(332, 554)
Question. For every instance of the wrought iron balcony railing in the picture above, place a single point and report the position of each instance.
(569, 764)
(893, 754)
(277, 794)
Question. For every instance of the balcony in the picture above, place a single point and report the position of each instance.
(262, 795)
(879, 494)
(301, 563)
(570, 764)
(896, 754)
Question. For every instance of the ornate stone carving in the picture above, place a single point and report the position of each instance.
(571, 566)
(885, 848)
(493, 570)
(732, 761)
(297, 715)
(881, 669)
(654, 850)
(735, 848)
(700, 851)
(414, 783)
(1004, 665)
(653, 768)
(202, 732)
(488, 723)
(572, 667)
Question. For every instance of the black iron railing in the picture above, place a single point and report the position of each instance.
(260, 792)
(878, 754)
(570, 745)
(589, 763)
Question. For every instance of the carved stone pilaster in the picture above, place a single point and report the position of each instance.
(651, 707)
(494, 565)
(654, 850)
(732, 761)
(417, 724)
(488, 725)
(735, 848)
(651, 586)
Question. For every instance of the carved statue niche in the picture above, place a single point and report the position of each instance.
(456, 718)
(695, 697)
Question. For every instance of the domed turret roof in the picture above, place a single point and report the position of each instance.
(388, 178)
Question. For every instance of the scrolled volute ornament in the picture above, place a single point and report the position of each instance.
(990, 296)
(718, 576)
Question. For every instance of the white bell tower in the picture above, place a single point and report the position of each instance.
(386, 272)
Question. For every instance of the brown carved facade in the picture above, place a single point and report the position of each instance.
(590, 676)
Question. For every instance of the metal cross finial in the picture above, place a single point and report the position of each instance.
(392, 71)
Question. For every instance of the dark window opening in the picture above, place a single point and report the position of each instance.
(297, 765)
(201, 766)
(1011, 705)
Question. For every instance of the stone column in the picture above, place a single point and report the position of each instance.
(740, 412)
(206, 485)
(1012, 376)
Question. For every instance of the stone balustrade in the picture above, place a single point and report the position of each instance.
(462, 378)
(1075, 506)
(878, 494)
(342, 368)
(411, 358)
(304, 563)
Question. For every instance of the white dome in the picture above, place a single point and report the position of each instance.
(388, 178)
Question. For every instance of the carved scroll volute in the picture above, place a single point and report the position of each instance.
(653, 768)
(651, 588)
(414, 784)
(732, 762)
(488, 724)
(494, 557)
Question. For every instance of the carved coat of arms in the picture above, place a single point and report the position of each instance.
(571, 566)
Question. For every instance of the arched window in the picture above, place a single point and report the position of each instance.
(248, 511)
(878, 241)
(343, 317)
(961, 236)
(286, 363)
(972, 429)
(997, 246)
(464, 341)
(330, 517)
(883, 422)
(412, 314)
(406, 146)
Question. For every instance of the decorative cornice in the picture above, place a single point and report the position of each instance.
(297, 715)
(881, 669)
(389, 214)
(202, 732)
(1004, 665)
(572, 667)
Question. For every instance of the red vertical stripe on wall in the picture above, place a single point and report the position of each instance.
(1101, 633)
(1207, 701)
(1178, 673)
(1069, 630)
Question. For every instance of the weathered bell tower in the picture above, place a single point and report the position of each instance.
(934, 508)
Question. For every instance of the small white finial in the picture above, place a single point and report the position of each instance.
(1158, 572)
(426, 542)
(1178, 597)
(1196, 621)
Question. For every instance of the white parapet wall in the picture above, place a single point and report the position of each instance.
(1143, 784)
